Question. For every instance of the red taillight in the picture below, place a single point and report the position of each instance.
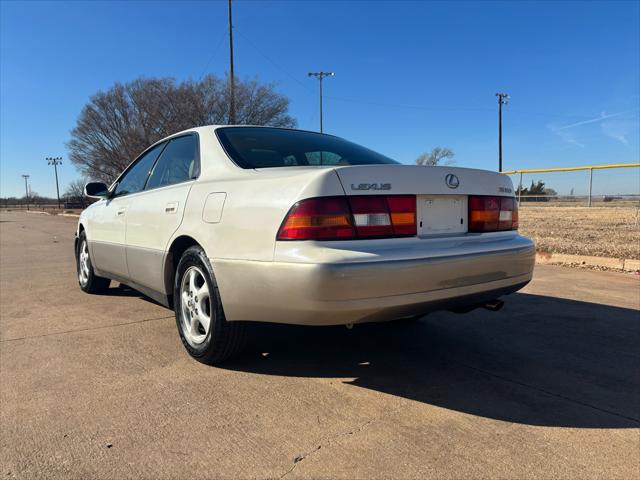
(336, 218)
(324, 218)
(492, 214)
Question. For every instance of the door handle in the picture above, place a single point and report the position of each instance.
(172, 207)
(121, 211)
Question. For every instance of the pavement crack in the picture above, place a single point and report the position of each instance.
(329, 440)
(101, 327)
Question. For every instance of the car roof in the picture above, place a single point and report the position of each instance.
(214, 127)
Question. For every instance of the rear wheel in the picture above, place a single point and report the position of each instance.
(88, 280)
(202, 326)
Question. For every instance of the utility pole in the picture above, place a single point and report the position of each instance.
(55, 161)
(320, 76)
(503, 99)
(232, 102)
(26, 190)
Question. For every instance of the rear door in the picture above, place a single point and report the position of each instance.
(157, 212)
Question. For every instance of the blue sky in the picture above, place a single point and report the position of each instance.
(409, 75)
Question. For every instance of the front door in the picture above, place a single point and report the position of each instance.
(106, 236)
(107, 227)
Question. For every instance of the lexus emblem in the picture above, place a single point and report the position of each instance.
(451, 180)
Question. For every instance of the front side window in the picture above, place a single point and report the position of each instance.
(134, 179)
(178, 163)
(260, 147)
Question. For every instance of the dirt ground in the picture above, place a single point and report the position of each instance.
(597, 231)
(100, 386)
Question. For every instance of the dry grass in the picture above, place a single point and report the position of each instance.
(598, 231)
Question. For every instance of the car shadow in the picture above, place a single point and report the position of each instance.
(121, 290)
(539, 361)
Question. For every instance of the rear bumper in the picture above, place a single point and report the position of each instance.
(365, 291)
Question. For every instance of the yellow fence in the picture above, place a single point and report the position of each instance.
(590, 168)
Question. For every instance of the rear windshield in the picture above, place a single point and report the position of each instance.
(259, 147)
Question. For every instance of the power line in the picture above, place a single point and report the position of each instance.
(214, 54)
(387, 104)
(452, 109)
(398, 105)
(273, 62)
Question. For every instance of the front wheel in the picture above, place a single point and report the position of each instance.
(88, 280)
(202, 326)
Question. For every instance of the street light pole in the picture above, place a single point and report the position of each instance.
(320, 76)
(55, 161)
(503, 99)
(26, 190)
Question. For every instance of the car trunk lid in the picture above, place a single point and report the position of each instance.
(441, 192)
(419, 180)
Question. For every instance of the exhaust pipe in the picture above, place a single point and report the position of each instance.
(494, 305)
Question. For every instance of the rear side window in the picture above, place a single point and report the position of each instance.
(178, 163)
(133, 180)
(260, 147)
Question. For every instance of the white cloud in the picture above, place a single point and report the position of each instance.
(620, 128)
(602, 116)
(617, 129)
(568, 137)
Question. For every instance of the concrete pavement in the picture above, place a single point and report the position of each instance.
(100, 386)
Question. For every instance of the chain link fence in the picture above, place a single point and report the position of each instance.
(587, 212)
(598, 185)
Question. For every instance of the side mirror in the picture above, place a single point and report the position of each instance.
(96, 190)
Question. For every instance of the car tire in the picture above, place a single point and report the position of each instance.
(200, 319)
(87, 279)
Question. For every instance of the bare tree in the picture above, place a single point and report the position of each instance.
(436, 156)
(116, 125)
(75, 192)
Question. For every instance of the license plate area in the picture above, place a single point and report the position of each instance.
(442, 214)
